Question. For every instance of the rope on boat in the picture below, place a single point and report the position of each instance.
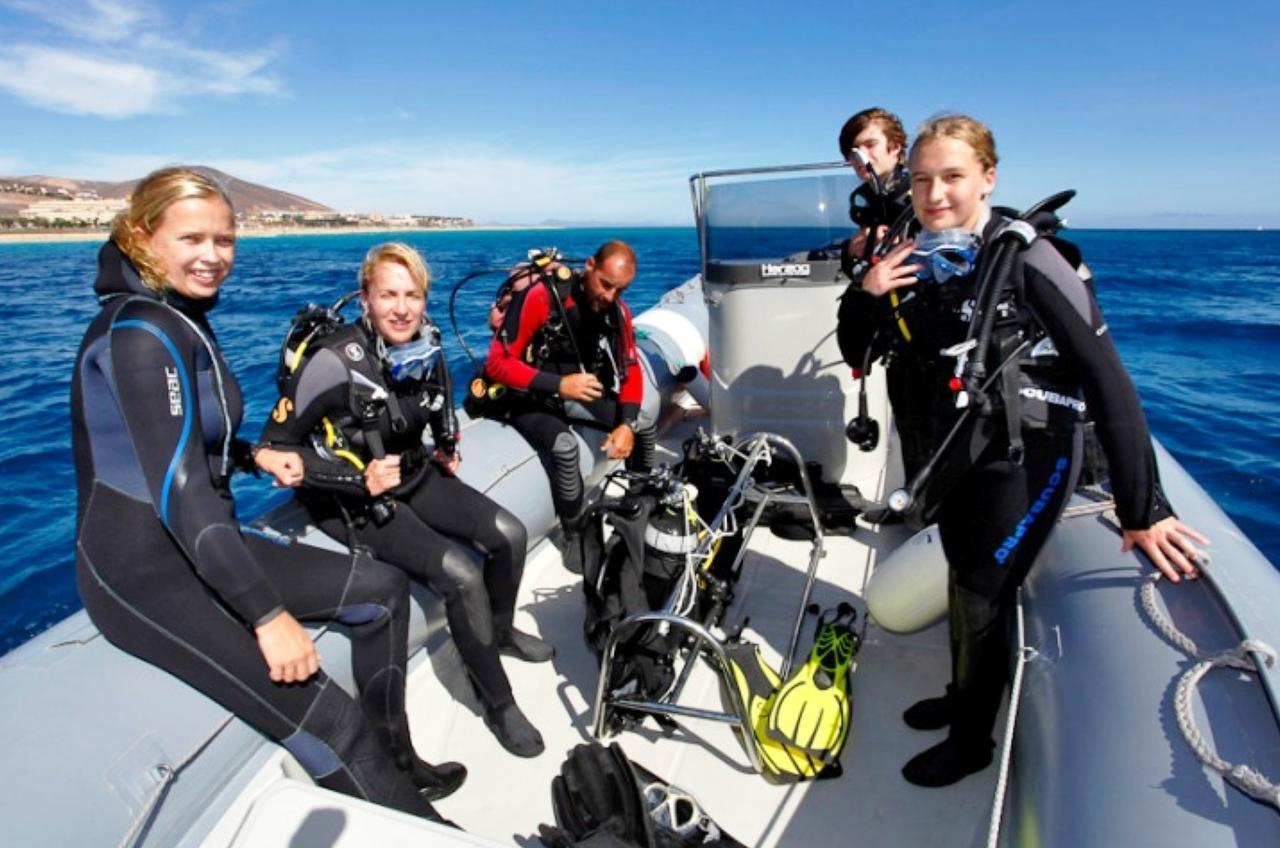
(1244, 657)
(1025, 654)
(167, 774)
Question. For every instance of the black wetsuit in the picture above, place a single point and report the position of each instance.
(1002, 500)
(166, 573)
(919, 423)
(434, 524)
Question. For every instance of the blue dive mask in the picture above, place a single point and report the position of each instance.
(944, 254)
(412, 360)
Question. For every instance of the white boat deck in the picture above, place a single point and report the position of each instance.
(505, 797)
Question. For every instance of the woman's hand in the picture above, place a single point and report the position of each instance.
(1168, 544)
(288, 649)
(382, 475)
(890, 273)
(620, 442)
(284, 466)
(448, 462)
(582, 387)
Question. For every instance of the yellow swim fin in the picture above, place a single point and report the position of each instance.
(757, 682)
(811, 711)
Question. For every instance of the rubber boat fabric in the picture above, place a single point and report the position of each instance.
(800, 726)
(603, 800)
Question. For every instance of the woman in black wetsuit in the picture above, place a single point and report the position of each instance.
(356, 408)
(161, 563)
(1020, 463)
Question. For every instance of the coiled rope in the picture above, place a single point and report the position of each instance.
(1243, 658)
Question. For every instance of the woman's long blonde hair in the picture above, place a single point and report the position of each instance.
(151, 198)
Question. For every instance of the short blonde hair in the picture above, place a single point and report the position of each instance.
(401, 254)
(962, 128)
(151, 198)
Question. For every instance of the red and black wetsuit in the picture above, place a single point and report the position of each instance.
(538, 344)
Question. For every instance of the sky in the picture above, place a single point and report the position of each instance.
(1158, 114)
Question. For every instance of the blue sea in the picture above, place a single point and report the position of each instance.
(1196, 315)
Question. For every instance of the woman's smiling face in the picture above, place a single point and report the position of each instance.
(949, 184)
(195, 244)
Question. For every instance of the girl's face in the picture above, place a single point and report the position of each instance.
(195, 244)
(949, 185)
(394, 303)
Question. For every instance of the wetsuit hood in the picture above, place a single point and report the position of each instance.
(117, 275)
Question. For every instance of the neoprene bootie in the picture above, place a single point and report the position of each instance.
(525, 646)
(433, 781)
(947, 762)
(931, 713)
(571, 556)
(513, 731)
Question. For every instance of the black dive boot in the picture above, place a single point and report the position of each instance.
(433, 782)
(948, 762)
(513, 731)
(571, 553)
(979, 665)
(931, 713)
(524, 646)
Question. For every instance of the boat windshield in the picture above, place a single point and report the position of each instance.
(771, 213)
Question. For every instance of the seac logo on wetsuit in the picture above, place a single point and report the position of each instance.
(175, 391)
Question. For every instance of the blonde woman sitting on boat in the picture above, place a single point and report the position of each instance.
(161, 563)
(356, 408)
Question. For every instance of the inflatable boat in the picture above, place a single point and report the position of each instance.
(1140, 713)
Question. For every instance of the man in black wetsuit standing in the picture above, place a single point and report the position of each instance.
(874, 142)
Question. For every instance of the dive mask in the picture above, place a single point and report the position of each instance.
(944, 254)
(412, 360)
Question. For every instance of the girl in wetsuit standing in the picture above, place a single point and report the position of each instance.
(161, 563)
(1024, 457)
(356, 409)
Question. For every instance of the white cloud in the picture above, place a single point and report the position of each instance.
(484, 182)
(487, 184)
(119, 59)
(91, 20)
(64, 81)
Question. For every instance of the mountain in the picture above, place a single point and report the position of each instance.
(19, 192)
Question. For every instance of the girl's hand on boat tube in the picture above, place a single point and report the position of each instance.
(382, 474)
(284, 466)
(1169, 545)
(288, 649)
(890, 273)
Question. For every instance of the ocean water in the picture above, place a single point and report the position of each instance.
(1195, 314)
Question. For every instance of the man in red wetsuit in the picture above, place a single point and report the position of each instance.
(568, 350)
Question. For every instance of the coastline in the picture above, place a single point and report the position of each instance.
(274, 232)
(270, 232)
